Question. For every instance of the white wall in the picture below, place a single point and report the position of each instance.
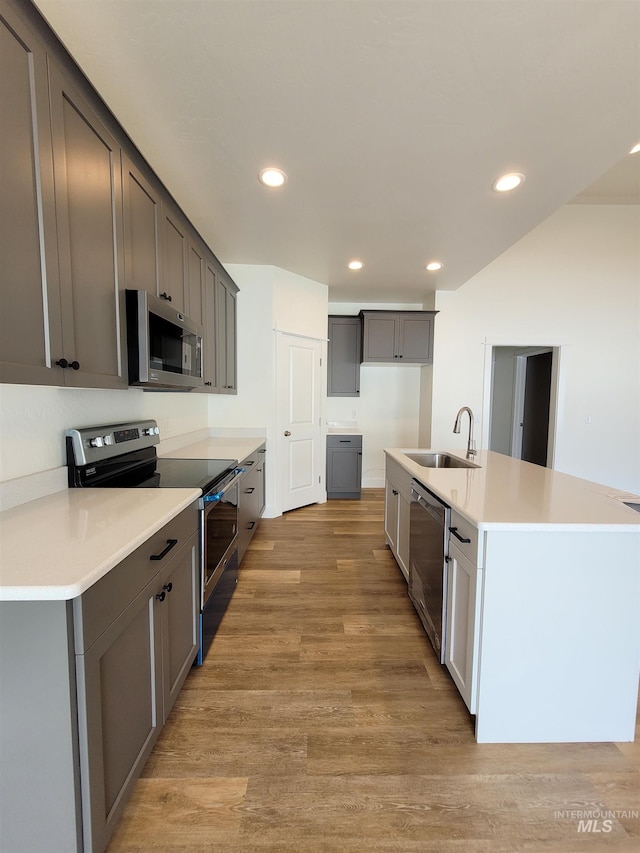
(270, 298)
(388, 408)
(33, 420)
(573, 282)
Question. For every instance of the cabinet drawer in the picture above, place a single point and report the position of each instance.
(464, 530)
(102, 603)
(337, 441)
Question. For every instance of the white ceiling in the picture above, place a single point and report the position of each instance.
(392, 118)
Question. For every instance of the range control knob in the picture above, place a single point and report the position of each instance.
(98, 441)
(108, 440)
(151, 431)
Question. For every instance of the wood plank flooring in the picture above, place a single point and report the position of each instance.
(321, 722)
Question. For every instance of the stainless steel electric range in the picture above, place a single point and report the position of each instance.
(124, 456)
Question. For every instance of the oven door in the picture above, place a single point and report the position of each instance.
(219, 532)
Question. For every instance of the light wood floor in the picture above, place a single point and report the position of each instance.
(321, 722)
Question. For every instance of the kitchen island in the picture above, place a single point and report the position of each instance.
(543, 622)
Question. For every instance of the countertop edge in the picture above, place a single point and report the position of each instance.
(54, 592)
(630, 527)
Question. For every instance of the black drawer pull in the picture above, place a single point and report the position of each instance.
(250, 462)
(251, 525)
(166, 296)
(250, 491)
(168, 587)
(170, 544)
(454, 530)
(161, 596)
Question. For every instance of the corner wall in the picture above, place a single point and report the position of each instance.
(573, 282)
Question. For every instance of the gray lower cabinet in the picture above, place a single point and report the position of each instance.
(394, 337)
(87, 685)
(251, 499)
(344, 466)
(343, 356)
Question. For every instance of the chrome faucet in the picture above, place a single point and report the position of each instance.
(471, 445)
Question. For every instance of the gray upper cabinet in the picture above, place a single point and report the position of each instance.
(30, 329)
(175, 287)
(87, 176)
(82, 218)
(344, 349)
(196, 279)
(393, 337)
(226, 334)
(142, 223)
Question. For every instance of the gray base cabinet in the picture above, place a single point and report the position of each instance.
(87, 686)
(251, 499)
(344, 466)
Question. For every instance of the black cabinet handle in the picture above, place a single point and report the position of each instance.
(249, 463)
(168, 587)
(262, 450)
(62, 362)
(394, 491)
(171, 543)
(166, 296)
(161, 596)
(251, 525)
(250, 491)
(208, 383)
(454, 530)
(75, 365)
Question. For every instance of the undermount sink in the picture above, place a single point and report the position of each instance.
(439, 460)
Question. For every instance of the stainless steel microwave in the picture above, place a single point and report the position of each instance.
(164, 347)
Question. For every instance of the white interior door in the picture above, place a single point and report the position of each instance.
(300, 433)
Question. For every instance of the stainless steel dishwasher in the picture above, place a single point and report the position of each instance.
(428, 552)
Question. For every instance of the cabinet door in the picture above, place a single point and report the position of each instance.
(392, 497)
(142, 221)
(120, 713)
(209, 345)
(463, 624)
(380, 338)
(178, 612)
(195, 270)
(344, 470)
(415, 341)
(87, 173)
(343, 370)
(174, 269)
(403, 538)
(226, 333)
(30, 331)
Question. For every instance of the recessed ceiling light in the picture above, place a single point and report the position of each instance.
(272, 177)
(635, 149)
(508, 182)
(355, 265)
(433, 266)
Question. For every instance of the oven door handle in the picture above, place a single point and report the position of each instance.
(216, 496)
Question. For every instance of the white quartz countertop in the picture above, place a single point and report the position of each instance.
(507, 493)
(56, 547)
(217, 448)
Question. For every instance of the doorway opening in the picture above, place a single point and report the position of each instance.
(523, 399)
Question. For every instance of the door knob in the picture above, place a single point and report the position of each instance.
(286, 432)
